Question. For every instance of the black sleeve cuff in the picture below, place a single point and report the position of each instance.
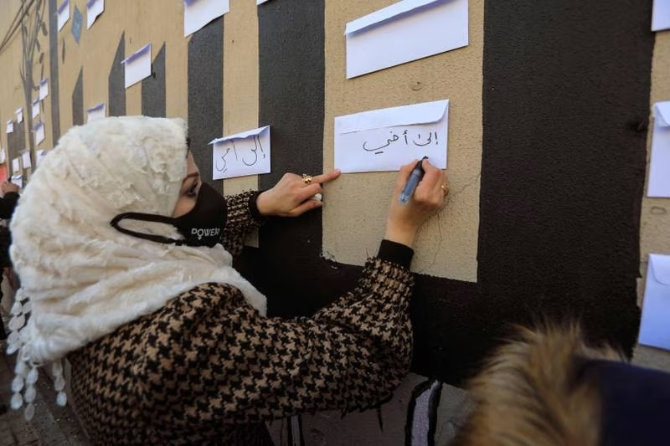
(253, 207)
(396, 253)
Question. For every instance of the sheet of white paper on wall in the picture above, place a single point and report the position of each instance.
(18, 180)
(96, 112)
(39, 156)
(659, 162)
(384, 140)
(241, 154)
(3, 155)
(19, 115)
(137, 65)
(660, 17)
(44, 88)
(10, 127)
(198, 13)
(63, 14)
(16, 165)
(93, 9)
(405, 31)
(654, 327)
(260, 2)
(39, 133)
(26, 160)
(36, 108)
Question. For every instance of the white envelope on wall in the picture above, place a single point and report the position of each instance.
(655, 326)
(659, 163)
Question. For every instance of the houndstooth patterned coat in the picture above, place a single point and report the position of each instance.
(208, 369)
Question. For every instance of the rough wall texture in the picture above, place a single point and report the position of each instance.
(548, 138)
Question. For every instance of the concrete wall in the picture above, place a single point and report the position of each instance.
(550, 109)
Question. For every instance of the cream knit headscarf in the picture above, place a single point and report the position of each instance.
(81, 279)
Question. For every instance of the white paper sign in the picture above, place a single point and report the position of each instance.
(10, 127)
(242, 154)
(19, 115)
(659, 163)
(16, 166)
(26, 160)
(36, 108)
(93, 9)
(39, 133)
(654, 327)
(405, 31)
(18, 180)
(96, 112)
(138, 65)
(3, 155)
(260, 2)
(44, 88)
(63, 14)
(383, 140)
(198, 13)
(39, 156)
(660, 17)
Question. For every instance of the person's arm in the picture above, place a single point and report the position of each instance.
(242, 218)
(223, 362)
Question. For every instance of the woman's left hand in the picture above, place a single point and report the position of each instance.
(293, 195)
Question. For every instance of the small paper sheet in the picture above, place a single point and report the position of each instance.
(63, 14)
(137, 65)
(16, 165)
(26, 160)
(660, 17)
(39, 133)
(10, 127)
(198, 13)
(654, 327)
(93, 9)
(96, 112)
(36, 108)
(384, 140)
(659, 163)
(405, 31)
(39, 156)
(3, 155)
(260, 2)
(44, 88)
(18, 180)
(242, 154)
(19, 115)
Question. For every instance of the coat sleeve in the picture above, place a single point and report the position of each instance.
(242, 218)
(225, 363)
(8, 204)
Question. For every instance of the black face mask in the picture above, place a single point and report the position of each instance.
(202, 226)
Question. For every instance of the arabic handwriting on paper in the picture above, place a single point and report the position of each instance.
(246, 153)
(418, 140)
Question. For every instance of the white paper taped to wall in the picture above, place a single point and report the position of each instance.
(242, 154)
(96, 112)
(384, 140)
(39, 133)
(93, 9)
(36, 108)
(3, 155)
(198, 13)
(19, 115)
(405, 31)
(660, 17)
(10, 127)
(16, 165)
(44, 88)
(654, 327)
(137, 65)
(18, 180)
(63, 14)
(26, 160)
(659, 162)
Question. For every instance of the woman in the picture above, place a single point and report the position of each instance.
(116, 241)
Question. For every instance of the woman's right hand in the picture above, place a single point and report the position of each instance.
(405, 219)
